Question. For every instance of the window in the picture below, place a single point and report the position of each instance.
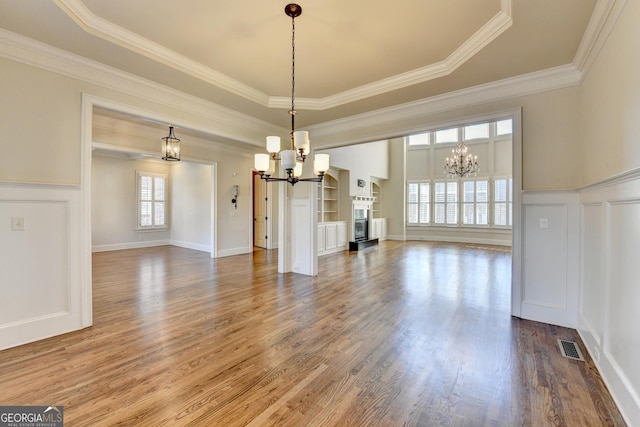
(504, 127)
(446, 202)
(419, 211)
(151, 189)
(503, 203)
(476, 131)
(419, 139)
(475, 202)
(447, 135)
(483, 201)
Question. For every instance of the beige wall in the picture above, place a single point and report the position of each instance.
(549, 135)
(40, 135)
(609, 125)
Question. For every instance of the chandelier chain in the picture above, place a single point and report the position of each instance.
(293, 75)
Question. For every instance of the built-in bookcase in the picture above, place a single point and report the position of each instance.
(375, 193)
(328, 198)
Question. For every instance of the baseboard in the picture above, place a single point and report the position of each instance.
(189, 245)
(235, 251)
(130, 245)
(456, 239)
(626, 400)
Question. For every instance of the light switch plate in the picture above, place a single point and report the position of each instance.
(17, 223)
(544, 222)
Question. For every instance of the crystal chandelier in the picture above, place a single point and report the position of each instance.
(291, 160)
(461, 163)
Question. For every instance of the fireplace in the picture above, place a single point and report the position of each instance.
(361, 212)
(360, 229)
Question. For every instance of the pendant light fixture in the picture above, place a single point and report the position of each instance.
(291, 160)
(171, 147)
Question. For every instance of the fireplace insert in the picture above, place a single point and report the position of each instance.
(360, 230)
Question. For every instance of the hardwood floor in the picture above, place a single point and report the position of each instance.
(404, 334)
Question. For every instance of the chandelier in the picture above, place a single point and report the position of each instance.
(461, 162)
(171, 147)
(291, 160)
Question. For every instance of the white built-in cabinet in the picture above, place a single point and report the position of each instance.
(378, 229)
(332, 237)
(332, 233)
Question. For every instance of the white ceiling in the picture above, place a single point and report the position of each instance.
(351, 57)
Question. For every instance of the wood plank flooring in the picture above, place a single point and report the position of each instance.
(403, 334)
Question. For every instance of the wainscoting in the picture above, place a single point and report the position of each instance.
(550, 257)
(609, 315)
(42, 269)
(580, 269)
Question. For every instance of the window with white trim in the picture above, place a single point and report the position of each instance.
(152, 204)
(475, 202)
(503, 202)
(446, 202)
(484, 201)
(418, 209)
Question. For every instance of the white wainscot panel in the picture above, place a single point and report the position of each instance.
(35, 262)
(546, 255)
(592, 309)
(301, 249)
(550, 265)
(624, 316)
(41, 293)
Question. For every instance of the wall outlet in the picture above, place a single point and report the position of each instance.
(17, 223)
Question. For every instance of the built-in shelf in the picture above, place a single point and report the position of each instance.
(375, 194)
(328, 203)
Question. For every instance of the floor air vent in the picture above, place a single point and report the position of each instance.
(570, 349)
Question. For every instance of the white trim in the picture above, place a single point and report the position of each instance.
(220, 121)
(113, 33)
(234, 251)
(132, 245)
(189, 245)
(387, 122)
(453, 239)
(603, 18)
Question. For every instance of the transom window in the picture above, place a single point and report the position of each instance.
(478, 131)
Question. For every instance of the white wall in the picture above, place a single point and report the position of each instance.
(191, 204)
(363, 161)
(114, 204)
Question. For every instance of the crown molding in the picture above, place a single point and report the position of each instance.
(602, 21)
(388, 122)
(220, 120)
(113, 33)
